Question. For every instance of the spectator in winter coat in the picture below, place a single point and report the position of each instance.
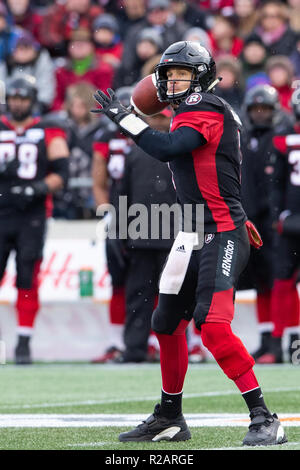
(253, 60)
(131, 14)
(224, 37)
(160, 17)
(82, 66)
(8, 34)
(230, 88)
(281, 73)
(29, 58)
(247, 16)
(25, 17)
(107, 40)
(192, 15)
(274, 29)
(148, 45)
(62, 19)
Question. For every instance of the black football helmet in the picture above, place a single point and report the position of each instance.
(295, 100)
(186, 54)
(262, 95)
(24, 87)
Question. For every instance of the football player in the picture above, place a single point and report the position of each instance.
(33, 164)
(202, 150)
(263, 118)
(109, 152)
(286, 194)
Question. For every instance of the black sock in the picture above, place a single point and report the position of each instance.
(254, 398)
(171, 405)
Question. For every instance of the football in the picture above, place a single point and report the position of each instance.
(144, 97)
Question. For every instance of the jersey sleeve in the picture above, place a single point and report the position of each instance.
(102, 148)
(101, 143)
(52, 132)
(203, 116)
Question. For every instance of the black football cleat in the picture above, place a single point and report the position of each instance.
(22, 351)
(158, 428)
(264, 430)
(264, 345)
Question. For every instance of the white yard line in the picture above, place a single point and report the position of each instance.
(136, 399)
(129, 420)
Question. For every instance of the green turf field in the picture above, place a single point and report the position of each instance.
(34, 402)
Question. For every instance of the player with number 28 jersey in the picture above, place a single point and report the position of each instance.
(33, 164)
(25, 151)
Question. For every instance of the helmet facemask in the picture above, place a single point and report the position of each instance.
(195, 85)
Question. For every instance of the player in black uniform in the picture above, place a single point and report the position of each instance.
(33, 164)
(262, 118)
(286, 197)
(202, 150)
(109, 152)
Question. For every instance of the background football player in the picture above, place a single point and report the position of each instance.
(33, 164)
(285, 198)
(263, 118)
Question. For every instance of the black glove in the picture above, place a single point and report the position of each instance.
(24, 195)
(128, 122)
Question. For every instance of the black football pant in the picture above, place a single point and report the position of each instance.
(208, 290)
(24, 234)
(142, 279)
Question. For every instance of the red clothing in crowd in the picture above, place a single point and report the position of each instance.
(236, 48)
(116, 51)
(100, 76)
(30, 21)
(59, 23)
(214, 5)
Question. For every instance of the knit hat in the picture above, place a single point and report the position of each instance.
(156, 4)
(25, 38)
(106, 21)
(150, 34)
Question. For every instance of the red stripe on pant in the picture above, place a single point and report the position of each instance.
(117, 306)
(27, 304)
(221, 307)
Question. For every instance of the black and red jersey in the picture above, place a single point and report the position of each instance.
(210, 173)
(26, 151)
(113, 147)
(287, 171)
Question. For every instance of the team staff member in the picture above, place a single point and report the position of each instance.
(33, 164)
(203, 154)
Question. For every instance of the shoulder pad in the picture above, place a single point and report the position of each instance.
(51, 123)
(201, 102)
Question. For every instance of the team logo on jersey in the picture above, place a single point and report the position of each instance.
(209, 237)
(194, 98)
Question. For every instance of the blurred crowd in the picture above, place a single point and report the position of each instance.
(73, 47)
